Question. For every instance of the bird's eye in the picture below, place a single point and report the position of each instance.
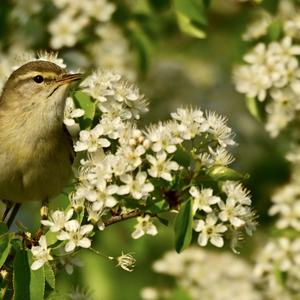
(38, 78)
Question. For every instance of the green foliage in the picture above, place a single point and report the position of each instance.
(30, 284)
(183, 226)
(191, 17)
(5, 244)
(85, 102)
(142, 44)
(21, 276)
(255, 108)
(37, 281)
(179, 294)
(56, 296)
(222, 173)
(275, 30)
(49, 275)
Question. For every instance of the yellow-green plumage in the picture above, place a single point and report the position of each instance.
(35, 148)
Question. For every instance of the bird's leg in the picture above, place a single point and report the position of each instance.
(10, 213)
(8, 206)
(44, 215)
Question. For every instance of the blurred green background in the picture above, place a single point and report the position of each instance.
(173, 69)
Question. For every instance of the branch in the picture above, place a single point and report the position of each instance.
(116, 219)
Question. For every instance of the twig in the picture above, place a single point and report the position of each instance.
(116, 219)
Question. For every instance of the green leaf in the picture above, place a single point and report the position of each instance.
(49, 275)
(183, 226)
(5, 247)
(85, 102)
(57, 296)
(37, 281)
(255, 108)
(191, 18)
(51, 237)
(3, 228)
(142, 7)
(143, 44)
(275, 30)
(156, 207)
(224, 173)
(163, 221)
(21, 276)
(206, 3)
(189, 28)
(179, 294)
(193, 9)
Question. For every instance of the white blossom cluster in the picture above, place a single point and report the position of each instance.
(124, 169)
(75, 15)
(277, 270)
(71, 23)
(270, 73)
(225, 215)
(199, 272)
(286, 200)
(277, 266)
(286, 205)
(114, 49)
(69, 230)
(288, 15)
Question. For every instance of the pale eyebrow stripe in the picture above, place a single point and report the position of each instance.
(31, 74)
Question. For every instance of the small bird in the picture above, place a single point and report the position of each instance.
(35, 148)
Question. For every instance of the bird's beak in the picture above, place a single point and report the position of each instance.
(67, 78)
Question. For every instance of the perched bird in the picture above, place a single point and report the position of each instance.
(35, 147)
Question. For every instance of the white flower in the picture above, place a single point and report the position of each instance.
(281, 111)
(258, 27)
(52, 57)
(77, 199)
(292, 25)
(252, 80)
(237, 192)
(71, 112)
(203, 199)
(112, 126)
(284, 49)
(91, 140)
(131, 155)
(161, 167)
(58, 219)
(95, 217)
(75, 235)
(218, 128)
(206, 275)
(192, 122)
(161, 138)
(126, 262)
(65, 28)
(188, 116)
(101, 10)
(220, 156)
(137, 187)
(69, 262)
(231, 211)
(144, 226)
(41, 254)
(100, 85)
(210, 231)
(101, 195)
(286, 203)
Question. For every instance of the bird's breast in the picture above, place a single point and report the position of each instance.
(34, 170)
